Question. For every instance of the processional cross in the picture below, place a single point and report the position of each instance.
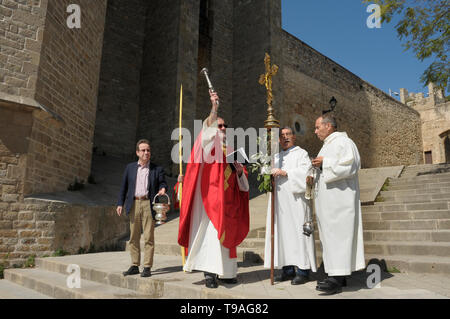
(266, 79)
(271, 122)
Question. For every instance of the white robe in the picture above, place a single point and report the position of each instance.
(338, 206)
(291, 246)
(205, 252)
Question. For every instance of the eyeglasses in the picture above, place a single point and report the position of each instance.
(222, 125)
(145, 151)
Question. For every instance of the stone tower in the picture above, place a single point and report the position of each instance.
(434, 112)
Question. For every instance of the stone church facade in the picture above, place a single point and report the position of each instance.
(68, 93)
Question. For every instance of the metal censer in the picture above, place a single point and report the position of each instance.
(161, 209)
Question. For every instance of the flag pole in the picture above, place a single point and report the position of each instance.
(180, 154)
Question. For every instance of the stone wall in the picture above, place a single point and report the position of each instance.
(386, 131)
(41, 227)
(257, 30)
(15, 128)
(120, 78)
(435, 117)
(67, 85)
(21, 33)
(173, 30)
(435, 130)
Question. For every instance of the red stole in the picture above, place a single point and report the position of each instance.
(226, 206)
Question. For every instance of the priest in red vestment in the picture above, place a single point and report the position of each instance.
(214, 213)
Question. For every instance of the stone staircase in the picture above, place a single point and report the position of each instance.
(408, 226)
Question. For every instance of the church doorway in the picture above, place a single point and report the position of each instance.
(445, 138)
(447, 149)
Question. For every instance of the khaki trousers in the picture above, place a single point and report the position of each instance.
(141, 221)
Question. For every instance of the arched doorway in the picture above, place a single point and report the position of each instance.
(447, 149)
(445, 136)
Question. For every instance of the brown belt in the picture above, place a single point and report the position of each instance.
(141, 197)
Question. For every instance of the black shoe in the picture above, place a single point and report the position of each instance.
(330, 287)
(211, 282)
(321, 283)
(284, 277)
(146, 272)
(133, 270)
(299, 280)
(229, 280)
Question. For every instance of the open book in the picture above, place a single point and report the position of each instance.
(237, 156)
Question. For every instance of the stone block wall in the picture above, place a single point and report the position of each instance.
(386, 131)
(120, 78)
(172, 29)
(15, 128)
(257, 26)
(40, 227)
(67, 85)
(435, 129)
(21, 33)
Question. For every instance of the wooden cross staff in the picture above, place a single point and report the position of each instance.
(271, 122)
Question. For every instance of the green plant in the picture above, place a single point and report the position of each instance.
(393, 270)
(262, 166)
(30, 262)
(385, 185)
(60, 252)
(3, 266)
(380, 199)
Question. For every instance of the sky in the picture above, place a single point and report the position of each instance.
(338, 29)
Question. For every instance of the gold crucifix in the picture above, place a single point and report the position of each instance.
(266, 79)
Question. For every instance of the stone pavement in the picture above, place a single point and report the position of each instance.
(169, 281)
(101, 275)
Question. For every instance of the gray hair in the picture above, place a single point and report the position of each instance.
(286, 128)
(328, 118)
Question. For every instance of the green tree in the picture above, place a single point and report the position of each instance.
(424, 24)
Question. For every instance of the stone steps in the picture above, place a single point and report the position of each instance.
(407, 235)
(389, 248)
(418, 186)
(409, 192)
(10, 290)
(101, 278)
(250, 250)
(54, 285)
(405, 207)
(429, 178)
(415, 264)
(413, 198)
(374, 235)
(422, 224)
(412, 171)
(404, 215)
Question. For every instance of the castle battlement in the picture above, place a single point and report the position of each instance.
(419, 101)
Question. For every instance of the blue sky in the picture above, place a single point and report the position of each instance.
(337, 29)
